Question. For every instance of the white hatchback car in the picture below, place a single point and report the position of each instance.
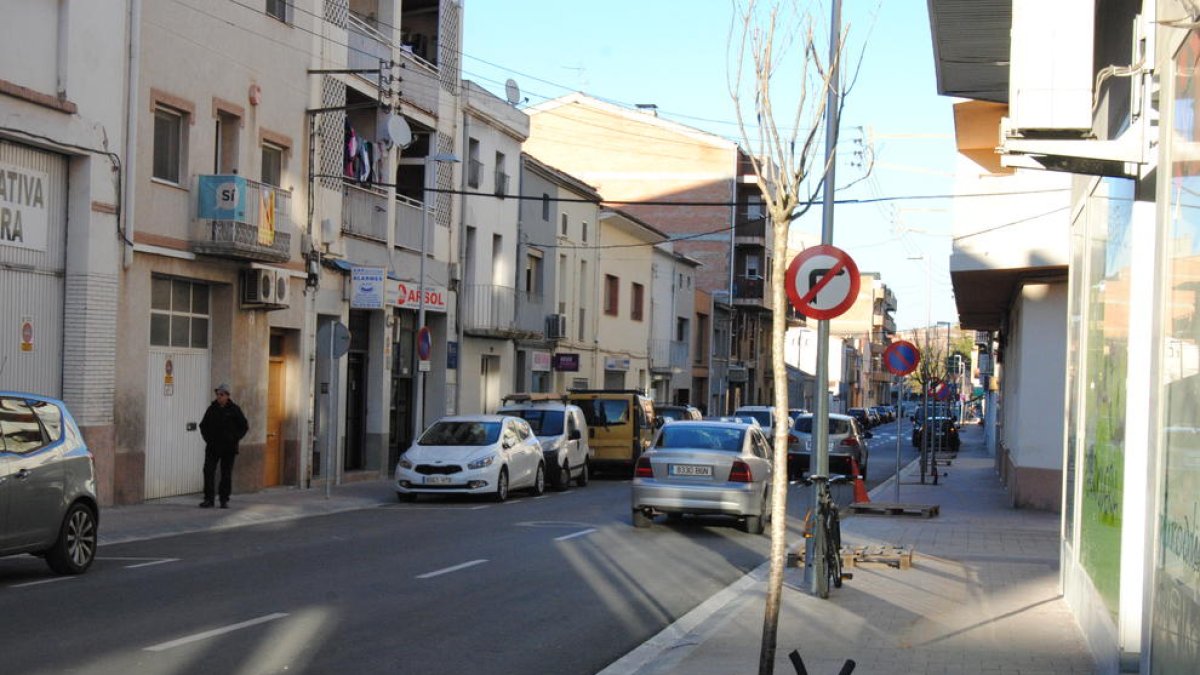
(472, 454)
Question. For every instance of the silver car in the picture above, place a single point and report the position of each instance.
(48, 504)
(702, 467)
(846, 440)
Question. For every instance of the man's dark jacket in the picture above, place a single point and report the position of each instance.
(222, 428)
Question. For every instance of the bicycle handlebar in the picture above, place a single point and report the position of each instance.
(832, 479)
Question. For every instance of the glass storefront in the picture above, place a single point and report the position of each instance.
(1175, 628)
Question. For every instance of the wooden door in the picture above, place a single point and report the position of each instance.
(273, 451)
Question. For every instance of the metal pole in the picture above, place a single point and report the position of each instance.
(899, 414)
(329, 445)
(820, 455)
(419, 394)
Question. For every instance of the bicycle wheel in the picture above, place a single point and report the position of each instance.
(833, 546)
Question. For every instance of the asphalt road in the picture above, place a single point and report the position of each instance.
(562, 583)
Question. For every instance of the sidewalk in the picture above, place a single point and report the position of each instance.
(981, 595)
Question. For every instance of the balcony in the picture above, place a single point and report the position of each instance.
(408, 225)
(751, 291)
(490, 311)
(668, 355)
(242, 219)
(751, 228)
(419, 84)
(364, 212)
(366, 47)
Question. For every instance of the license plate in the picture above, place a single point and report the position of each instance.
(690, 470)
(437, 480)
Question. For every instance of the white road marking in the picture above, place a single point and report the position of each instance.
(164, 646)
(43, 581)
(575, 534)
(447, 570)
(152, 563)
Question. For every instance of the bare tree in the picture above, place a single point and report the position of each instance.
(775, 48)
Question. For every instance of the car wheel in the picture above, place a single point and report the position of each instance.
(75, 548)
(539, 481)
(501, 493)
(564, 476)
(582, 479)
(640, 519)
(753, 524)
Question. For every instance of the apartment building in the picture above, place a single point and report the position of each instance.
(672, 310)
(636, 156)
(869, 326)
(556, 299)
(63, 213)
(624, 263)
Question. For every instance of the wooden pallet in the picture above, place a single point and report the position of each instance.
(893, 509)
(862, 556)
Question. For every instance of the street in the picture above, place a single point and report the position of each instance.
(560, 583)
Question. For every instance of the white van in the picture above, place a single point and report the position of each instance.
(561, 429)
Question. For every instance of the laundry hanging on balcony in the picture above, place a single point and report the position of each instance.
(360, 157)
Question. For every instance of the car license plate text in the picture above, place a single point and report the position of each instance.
(437, 480)
(690, 470)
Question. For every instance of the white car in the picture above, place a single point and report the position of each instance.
(562, 431)
(472, 455)
(765, 414)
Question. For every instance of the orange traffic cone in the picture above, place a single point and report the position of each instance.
(860, 487)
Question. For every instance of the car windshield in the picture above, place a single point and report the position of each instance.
(670, 413)
(605, 412)
(763, 416)
(461, 433)
(701, 437)
(543, 422)
(836, 425)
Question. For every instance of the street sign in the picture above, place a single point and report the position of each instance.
(424, 343)
(333, 339)
(822, 282)
(941, 391)
(901, 357)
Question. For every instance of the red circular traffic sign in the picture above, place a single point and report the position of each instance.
(941, 391)
(901, 357)
(424, 343)
(822, 282)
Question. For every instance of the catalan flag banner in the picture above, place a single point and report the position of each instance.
(266, 217)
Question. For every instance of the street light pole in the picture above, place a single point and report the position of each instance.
(419, 386)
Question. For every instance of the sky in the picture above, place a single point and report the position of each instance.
(674, 54)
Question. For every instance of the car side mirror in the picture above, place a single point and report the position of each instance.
(574, 435)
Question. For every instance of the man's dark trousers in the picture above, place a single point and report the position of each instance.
(211, 459)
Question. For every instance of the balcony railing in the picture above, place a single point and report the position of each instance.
(419, 81)
(366, 47)
(751, 225)
(490, 311)
(501, 183)
(364, 212)
(255, 223)
(749, 290)
(474, 173)
(668, 355)
(408, 225)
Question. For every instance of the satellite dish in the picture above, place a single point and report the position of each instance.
(512, 92)
(396, 131)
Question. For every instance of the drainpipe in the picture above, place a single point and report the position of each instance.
(64, 37)
(131, 104)
(462, 252)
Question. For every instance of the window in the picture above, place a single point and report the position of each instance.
(272, 164)
(752, 266)
(612, 293)
(584, 231)
(545, 206)
(639, 296)
(533, 273)
(178, 313)
(50, 416)
(681, 330)
(168, 144)
(279, 9)
(564, 224)
(474, 166)
(19, 427)
(225, 153)
(501, 176)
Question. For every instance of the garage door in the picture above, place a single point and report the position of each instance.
(33, 237)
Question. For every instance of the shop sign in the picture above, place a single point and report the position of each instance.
(616, 363)
(366, 287)
(24, 216)
(566, 363)
(541, 361)
(407, 295)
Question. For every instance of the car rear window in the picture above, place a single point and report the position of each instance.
(836, 425)
(461, 433)
(701, 437)
(763, 416)
(605, 412)
(543, 422)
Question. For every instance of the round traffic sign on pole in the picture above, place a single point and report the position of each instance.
(822, 282)
(424, 343)
(901, 357)
(941, 391)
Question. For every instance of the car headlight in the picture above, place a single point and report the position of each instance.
(404, 463)
(482, 462)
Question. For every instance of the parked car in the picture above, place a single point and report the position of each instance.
(846, 440)
(664, 412)
(945, 434)
(48, 504)
(709, 468)
(620, 424)
(561, 429)
(744, 419)
(882, 412)
(472, 454)
(765, 414)
(863, 417)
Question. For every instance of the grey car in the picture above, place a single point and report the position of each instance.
(702, 467)
(48, 504)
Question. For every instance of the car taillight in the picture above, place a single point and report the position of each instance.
(643, 469)
(793, 439)
(850, 441)
(740, 473)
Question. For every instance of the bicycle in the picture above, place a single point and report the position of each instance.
(831, 530)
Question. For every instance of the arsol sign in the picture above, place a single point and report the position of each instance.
(406, 295)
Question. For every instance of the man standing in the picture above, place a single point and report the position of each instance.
(222, 427)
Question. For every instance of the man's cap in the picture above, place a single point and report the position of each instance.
(222, 388)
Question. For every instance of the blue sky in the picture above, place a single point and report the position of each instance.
(673, 53)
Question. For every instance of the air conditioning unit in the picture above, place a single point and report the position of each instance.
(283, 289)
(258, 287)
(556, 326)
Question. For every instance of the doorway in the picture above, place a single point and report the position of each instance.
(273, 451)
(356, 410)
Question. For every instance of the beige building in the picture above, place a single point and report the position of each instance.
(624, 278)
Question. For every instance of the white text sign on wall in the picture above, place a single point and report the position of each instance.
(24, 215)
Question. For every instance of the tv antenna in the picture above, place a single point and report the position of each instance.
(512, 92)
